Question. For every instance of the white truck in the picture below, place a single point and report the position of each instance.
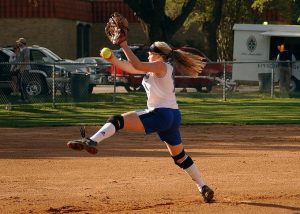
(255, 48)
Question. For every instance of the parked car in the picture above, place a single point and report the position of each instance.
(100, 70)
(204, 82)
(5, 74)
(43, 63)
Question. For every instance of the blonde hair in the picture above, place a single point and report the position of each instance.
(185, 62)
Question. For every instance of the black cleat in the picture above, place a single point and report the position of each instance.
(207, 194)
(83, 144)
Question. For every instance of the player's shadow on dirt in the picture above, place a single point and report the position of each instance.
(259, 204)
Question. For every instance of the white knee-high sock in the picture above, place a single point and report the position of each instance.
(106, 131)
(195, 174)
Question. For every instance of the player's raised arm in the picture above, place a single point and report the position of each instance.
(108, 55)
(157, 67)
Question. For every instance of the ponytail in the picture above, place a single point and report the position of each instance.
(187, 63)
(184, 62)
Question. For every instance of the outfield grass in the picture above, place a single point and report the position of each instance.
(196, 108)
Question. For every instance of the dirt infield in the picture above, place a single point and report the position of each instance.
(253, 169)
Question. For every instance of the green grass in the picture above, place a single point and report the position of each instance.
(196, 108)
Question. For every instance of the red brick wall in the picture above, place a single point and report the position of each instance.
(25, 8)
(53, 23)
(95, 11)
(103, 9)
(75, 10)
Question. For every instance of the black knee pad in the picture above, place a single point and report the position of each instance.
(184, 164)
(117, 121)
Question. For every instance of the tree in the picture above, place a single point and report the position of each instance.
(156, 24)
(288, 10)
(210, 28)
(231, 12)
(296, 14)
(234, 11)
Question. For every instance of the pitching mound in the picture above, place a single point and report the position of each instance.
(253, 169)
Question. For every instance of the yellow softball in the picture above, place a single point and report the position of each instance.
(105, 53)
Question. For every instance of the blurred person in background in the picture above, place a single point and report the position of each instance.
(14, 70)
(285, 59)
(24, 67)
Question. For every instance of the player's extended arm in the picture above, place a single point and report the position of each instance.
(124, 65)
(156, 67)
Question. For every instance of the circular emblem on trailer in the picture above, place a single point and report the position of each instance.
(251, 43)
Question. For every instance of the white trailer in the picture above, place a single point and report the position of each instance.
(255, 48)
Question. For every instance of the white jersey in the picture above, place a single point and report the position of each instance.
(160, 90)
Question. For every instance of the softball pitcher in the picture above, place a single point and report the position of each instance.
(162, 115)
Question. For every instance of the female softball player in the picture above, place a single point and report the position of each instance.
(162, 115)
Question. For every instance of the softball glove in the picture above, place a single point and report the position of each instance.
(117, 28)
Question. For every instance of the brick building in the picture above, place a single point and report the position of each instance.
(70, 28)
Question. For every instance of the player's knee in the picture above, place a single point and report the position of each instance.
(117, 121)
(186, 163)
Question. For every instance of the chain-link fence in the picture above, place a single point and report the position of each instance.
(273, 78)
(51, 82)
(84, 82)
